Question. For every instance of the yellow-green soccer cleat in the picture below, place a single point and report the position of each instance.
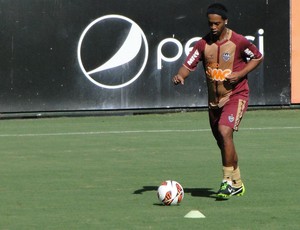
(227, 190)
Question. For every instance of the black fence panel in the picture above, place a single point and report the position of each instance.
(74, 55)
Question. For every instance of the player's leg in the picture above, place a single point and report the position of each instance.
(214, 117)
(231, 183)
(229, 121)
(223, 134)
(229, 155)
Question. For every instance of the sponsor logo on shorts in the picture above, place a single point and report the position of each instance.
(231, 118)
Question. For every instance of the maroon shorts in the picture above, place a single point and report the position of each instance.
(230, 114)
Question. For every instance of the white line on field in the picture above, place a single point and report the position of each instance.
(135, 131)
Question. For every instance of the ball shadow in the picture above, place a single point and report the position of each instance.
(196, 192)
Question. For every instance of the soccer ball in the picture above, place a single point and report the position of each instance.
(170, 192)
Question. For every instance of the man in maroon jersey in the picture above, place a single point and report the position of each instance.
(227, 58)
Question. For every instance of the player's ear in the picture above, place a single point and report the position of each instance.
(226, 22)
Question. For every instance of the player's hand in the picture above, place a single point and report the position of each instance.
(178, 79)
(233, 78)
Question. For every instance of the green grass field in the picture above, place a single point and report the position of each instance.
(103, 172)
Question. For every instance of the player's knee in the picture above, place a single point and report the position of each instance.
(225, 132)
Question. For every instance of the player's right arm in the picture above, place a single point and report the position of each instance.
(182, 74)
(191, 62)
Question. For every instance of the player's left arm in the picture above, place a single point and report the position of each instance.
(251, 65)
(256, 58)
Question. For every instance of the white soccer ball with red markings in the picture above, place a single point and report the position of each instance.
(170, 192)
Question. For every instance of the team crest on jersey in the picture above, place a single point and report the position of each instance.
(231, 118)
(226, 57)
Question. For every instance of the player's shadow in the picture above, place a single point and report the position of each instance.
(198, 192)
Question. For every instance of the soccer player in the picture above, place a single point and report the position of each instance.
(227, 59)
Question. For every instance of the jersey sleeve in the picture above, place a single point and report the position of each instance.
(249, 50)
(195, 56)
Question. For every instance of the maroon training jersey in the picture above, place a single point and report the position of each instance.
(219, 60)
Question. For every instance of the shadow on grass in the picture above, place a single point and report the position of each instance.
(198, 192)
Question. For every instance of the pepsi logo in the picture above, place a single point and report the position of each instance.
(112, 51)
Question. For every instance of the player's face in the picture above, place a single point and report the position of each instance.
(216, 24)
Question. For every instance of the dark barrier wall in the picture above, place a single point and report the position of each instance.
(97, 55)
